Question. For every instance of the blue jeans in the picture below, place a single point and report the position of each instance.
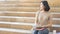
(45, 31)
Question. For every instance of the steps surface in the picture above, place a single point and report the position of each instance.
(18, 16)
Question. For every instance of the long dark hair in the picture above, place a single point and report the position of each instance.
(46, 5)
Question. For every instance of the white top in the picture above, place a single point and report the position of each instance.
(42, 18)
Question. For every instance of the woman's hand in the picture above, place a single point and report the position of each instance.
(40, 29)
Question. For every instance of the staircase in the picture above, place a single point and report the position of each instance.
(18, 16)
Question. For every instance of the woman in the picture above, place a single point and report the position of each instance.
(43, 20)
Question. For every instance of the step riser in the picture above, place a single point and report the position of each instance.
(25, 27)
(56, 15)
(26, 15)
(6, 32)
(51, 2)
(26, 9)
(17, 20)
(22, 15)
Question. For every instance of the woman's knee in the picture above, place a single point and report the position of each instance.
(46, 31)
(40, 32)
(35, 31)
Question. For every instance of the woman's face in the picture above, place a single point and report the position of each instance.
(41, 6)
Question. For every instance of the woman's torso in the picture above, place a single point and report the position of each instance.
(43, 18)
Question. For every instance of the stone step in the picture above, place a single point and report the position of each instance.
(12, 31)
(27, 9)
(24, 27)
(56, 15)
(18, 20)
(6, 32)
(51, 2)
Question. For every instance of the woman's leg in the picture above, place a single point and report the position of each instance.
(40, 32)
(35, 31)
(45, 31)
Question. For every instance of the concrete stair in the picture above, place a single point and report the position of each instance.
(18, 16)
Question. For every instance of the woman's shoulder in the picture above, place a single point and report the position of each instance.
(49, 13)
(38, 11)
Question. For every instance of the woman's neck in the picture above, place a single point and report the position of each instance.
(43, 11)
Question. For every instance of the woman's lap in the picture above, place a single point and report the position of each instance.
(46, 31)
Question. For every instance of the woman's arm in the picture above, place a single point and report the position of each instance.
(36, 19)
(49, 25)
(49, 22)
